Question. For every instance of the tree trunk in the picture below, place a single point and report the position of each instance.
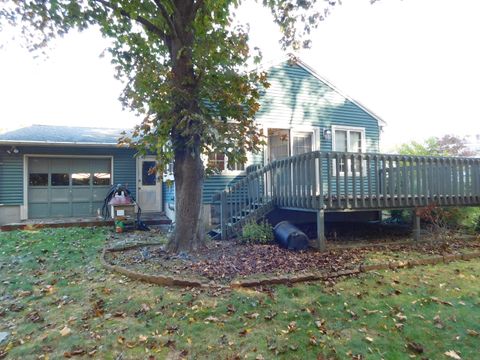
(189, 175)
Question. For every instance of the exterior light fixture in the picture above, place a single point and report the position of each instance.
(327, 134)
(13, 150)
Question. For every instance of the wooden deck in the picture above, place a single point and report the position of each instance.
(334, 181)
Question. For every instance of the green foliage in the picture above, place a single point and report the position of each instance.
(254, 233)
(447, 145)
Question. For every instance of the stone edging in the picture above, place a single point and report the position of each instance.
(166, 280)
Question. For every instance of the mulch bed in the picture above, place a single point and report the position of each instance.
(225, 261)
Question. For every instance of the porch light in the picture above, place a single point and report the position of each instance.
(327, 134)
(13, 150)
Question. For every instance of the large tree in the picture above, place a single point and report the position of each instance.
(184, 66)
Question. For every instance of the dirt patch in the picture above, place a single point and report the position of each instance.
(226, 261)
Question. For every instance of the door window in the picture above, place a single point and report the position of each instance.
(149, 175)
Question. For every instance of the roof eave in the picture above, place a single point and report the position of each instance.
(55, 143)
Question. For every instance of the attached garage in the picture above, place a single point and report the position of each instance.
(67, 186)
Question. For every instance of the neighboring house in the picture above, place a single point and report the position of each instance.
(56, 171)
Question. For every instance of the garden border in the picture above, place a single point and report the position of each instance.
(166, 280)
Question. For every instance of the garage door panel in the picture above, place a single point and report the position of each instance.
(38, 195)
(81, 165)
(38, 211)
(59, 194)
(60, 165)
(60, 209)
(38, 165)
(83, 194)
(82, 209)
(99, 193)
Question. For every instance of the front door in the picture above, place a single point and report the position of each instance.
(149, 189)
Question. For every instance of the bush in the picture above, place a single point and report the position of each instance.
(254, 233)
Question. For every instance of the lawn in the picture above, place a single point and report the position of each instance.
(57, 301)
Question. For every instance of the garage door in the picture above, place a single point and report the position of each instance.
(67, 187)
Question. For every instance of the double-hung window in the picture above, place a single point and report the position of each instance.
(219, 161)
(348, 139)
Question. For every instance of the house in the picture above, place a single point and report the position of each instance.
(58, 171)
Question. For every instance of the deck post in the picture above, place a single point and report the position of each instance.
(223, 215)
(321, 230)
(416, 226)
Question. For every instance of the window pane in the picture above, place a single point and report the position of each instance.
(217, 161)
(60, 179)
(149, 176)
(340, 140)
(237, 167)
(302, 143)
(101, 179)
(355, 141)
(38, 180)
(81, 179)
(278, 143)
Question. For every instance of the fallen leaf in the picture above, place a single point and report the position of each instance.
(473, 332)
(65, 331)
(415, 347)
(452, 354)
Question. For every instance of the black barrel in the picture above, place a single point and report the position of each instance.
(289, 236)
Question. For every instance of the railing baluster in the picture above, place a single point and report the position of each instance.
(467, 182)
(329, 180)
(337, 179)
(384, 181)
(461, 182)
(368, 169)
(377, 181)
(354, 181)
(362, 181)
(345, 181)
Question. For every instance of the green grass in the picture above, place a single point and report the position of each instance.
(375, 315)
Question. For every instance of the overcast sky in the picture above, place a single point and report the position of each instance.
(416, 63)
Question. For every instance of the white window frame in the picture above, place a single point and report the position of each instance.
(348, 129)
(315, 130)
(226, 171)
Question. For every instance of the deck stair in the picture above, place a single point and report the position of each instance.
(336, 181)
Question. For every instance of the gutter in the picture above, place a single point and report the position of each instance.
(54, 143)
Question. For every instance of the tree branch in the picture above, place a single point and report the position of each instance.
(140, 19)
(198, 4)
(166, 16)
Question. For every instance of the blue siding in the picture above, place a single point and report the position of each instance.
(11, 167)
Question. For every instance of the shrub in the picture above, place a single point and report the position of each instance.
(440, 220)
(254, 233)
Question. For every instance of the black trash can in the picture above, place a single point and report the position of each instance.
(290, 237)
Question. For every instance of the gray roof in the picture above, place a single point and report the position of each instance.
(62, 134)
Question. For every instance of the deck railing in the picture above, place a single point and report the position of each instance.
(335, 181)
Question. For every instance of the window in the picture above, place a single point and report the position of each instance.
(101, 179)
(302, 142)
(60, 179)
(149, 175)
(38, 180)
(81, 179)
(348, 140)
(219, 161)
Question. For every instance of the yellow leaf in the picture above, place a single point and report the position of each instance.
(452, 354)
(65, 331)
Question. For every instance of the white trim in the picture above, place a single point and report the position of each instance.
(24, 207)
